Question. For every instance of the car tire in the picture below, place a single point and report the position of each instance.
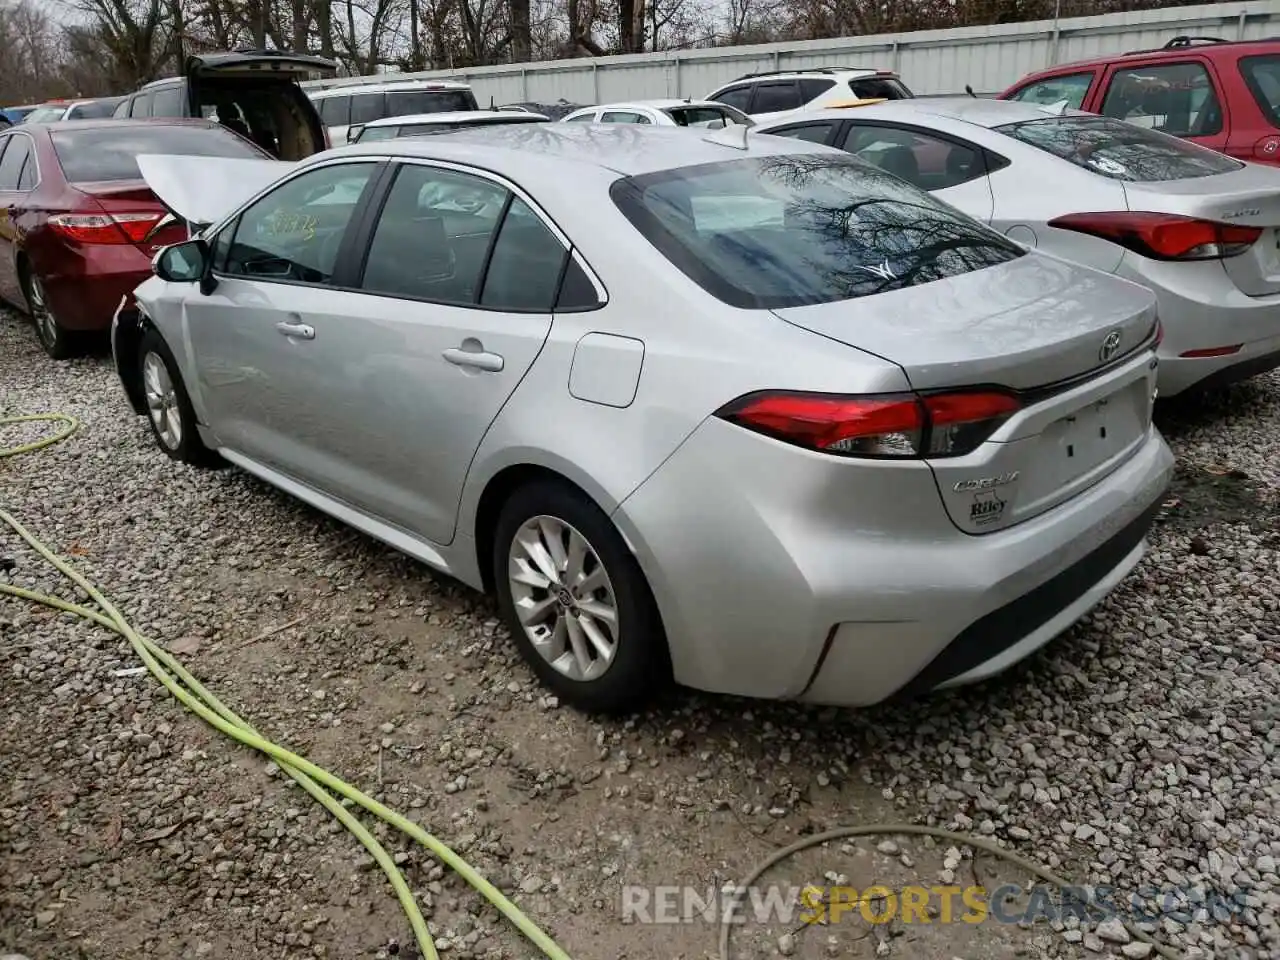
(169, 412)
(593, 634)
(56, 340)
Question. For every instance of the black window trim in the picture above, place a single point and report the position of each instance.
(32, 155)
(1210, 73)
(1092, 74)
(346, 250)
(362, 238)
(992, 162)
(759, 84)
(1269, 113)
(832, 126)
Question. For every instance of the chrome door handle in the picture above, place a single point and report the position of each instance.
(474, 358)
(296, 331)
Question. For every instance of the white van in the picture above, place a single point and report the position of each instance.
(355, 104)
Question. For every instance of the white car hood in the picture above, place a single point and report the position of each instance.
(203, 190)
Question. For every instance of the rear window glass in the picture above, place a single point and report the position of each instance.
(880, 88)
(785, 231)
(94, 109)
(111, 152)
(402, 103)
(335, 111)
(367, 107)
(1262, 76)
(1119, 150)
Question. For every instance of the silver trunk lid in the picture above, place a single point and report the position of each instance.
(1027, 323)
(1249, 196)
(1031, 323)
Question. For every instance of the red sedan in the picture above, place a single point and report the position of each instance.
(78, 225)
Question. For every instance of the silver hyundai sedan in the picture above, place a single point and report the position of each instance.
(1199, 229)
(740, 411)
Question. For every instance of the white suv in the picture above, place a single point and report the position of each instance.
(345, 107)
(774, 94)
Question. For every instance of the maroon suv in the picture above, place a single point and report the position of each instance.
(1223, 94)
(78, 224)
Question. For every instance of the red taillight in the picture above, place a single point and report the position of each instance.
(886, 425)
(1164, 236)
(105, 227)
(1208, 352)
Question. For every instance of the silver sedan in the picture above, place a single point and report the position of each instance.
(742, 412)
(1199, 229)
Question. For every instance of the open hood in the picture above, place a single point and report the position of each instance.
(203, 190)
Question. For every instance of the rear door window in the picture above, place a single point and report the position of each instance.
(1072, 88)
(931, 163)
(796, 229)
(704, 116)
(774, 97)
(448, 220)
(623, 116)
(737, 97)
(13, 161)
(1262, 77)
(379, 133)
(367, 107)
(1174, 98)
(1120, 151)
(168, 102)
(812, 88)
(141, 106)
(335, 111)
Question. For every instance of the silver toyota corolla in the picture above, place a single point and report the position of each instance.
(737, 410)
(1199, 229)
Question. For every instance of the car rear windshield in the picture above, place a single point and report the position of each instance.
(880, 88)
(797, 229)
(94, 109)
(1119, 150)
(1262, 76)
(111, 152)
(402, 103)
(46, 114)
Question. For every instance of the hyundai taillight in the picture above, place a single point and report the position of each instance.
(878, 426)
(105, 227)
(1164, 236)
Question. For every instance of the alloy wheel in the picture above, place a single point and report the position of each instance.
(162, 401)
(41, 315)
(563, 598)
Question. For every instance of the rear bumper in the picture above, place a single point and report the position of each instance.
(780, 574)
(1202, 309)
(86, 296)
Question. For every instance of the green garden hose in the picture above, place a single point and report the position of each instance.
(178, 681)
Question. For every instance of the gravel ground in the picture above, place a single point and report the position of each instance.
(1138, 751)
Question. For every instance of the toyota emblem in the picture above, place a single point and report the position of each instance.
(1110, 346)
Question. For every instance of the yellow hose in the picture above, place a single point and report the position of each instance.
(205, 705)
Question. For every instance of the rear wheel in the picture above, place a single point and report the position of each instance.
(576, 600)
(169, 410)
(58, 342)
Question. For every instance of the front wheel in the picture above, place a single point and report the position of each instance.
(576, 600)
(169, 410)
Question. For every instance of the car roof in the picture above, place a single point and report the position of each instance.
(807, 73)
(449, 116)
(975, 110)
(345, 89)
(1238, 47)
(625, 149)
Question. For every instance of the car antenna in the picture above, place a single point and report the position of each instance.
(730, 135)
(969, 90)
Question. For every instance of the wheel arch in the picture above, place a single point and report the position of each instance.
(126, 339)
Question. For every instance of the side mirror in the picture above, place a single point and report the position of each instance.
(184, 262)
(353, 133)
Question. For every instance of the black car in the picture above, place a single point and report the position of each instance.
(254, 93)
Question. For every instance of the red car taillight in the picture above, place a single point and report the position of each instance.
(105, 227)
(884, 425)
(1164, 236)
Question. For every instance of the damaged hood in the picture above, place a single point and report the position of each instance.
(203, 190)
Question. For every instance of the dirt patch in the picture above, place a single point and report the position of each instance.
(1201, 497)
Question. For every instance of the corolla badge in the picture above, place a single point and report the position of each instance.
(1110, 346)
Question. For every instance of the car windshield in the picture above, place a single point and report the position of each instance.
(1119, 150)
(110, 152)
(46, 114)
(796, 229)
(401, 103)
